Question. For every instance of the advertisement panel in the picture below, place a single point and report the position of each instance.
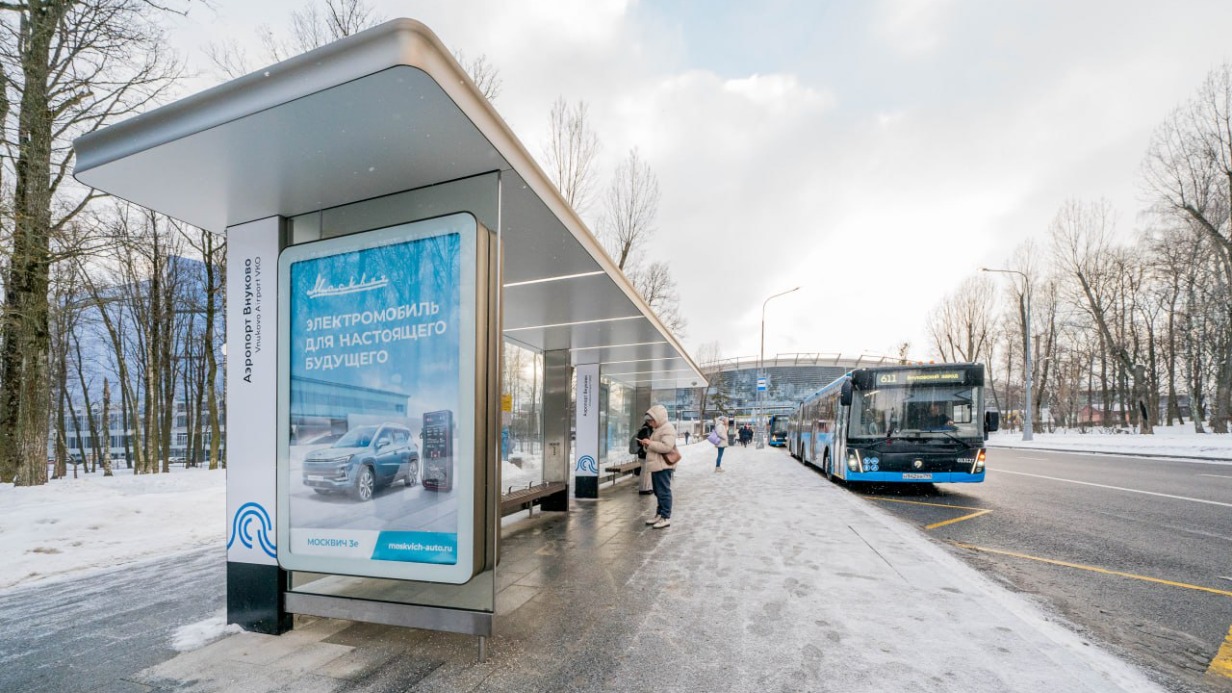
(377, 403)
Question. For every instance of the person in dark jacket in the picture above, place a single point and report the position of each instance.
(645, 486)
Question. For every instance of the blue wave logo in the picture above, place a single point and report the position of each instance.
(587, 464)
(242, 528)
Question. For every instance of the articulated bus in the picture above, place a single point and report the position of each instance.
(914, 424)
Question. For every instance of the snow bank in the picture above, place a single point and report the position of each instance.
(1179, 441)
(197, 635)
(69, 527)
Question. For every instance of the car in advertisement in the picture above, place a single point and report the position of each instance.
(365, 459)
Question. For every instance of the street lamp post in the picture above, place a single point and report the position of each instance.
(761, 371)
(1027, 416)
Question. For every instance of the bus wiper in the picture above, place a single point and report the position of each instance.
(956, 438)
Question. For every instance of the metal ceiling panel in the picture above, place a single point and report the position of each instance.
(585, 298)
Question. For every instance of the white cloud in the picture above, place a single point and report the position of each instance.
(875, 164)
(912, 26)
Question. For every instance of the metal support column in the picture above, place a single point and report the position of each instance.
(557, 376)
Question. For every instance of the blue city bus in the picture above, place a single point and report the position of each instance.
(777, 429)
(914, 424)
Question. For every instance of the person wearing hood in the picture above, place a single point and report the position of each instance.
(660, 442)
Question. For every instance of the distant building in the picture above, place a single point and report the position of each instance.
(733, 386)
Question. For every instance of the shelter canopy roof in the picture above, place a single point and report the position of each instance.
(384, 111)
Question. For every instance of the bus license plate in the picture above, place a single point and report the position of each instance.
(916, 477)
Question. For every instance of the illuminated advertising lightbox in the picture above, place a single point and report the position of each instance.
(377, 461)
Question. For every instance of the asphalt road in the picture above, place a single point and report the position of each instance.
(1143, 538)
(92, 633)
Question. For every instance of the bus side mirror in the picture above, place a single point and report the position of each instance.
(844, 395)
(992, 420)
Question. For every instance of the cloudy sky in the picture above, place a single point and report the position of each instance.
(874, 153)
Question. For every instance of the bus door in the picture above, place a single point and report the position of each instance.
(838, 451)
(815, 427)
(824, 436)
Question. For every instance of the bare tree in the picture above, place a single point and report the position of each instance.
(316, 25)
(657, 286)
(312, 26)
(319, 24)
(1041, 294)
(708, 357)
(627, 226)
(630, 208)
(1082, 246)
(69, 67)
(153, 282)
(1188, 168)
(570, 153)
(902, 352)
(482, 72)
(113, 319)
(141, 307)
(107, 427)
(962, 327)
(212, 249)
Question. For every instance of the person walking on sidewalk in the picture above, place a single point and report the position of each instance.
(660, 442)
(720, 428)
(645, 486)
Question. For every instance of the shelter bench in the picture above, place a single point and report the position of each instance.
(619, 469)
(525, 498)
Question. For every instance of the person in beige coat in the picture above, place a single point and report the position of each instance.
(660, 442)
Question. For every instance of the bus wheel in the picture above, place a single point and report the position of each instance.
(825, 467)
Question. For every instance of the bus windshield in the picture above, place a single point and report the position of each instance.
(924, 411)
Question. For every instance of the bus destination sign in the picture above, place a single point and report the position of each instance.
(921, 377)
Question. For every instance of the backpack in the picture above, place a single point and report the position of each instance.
(634, 446)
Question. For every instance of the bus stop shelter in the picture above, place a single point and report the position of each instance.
(373, 144)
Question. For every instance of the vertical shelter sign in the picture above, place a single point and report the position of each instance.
(252, 370)
(587, 421)
(376, 459)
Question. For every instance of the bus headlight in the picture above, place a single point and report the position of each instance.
(978, 467)
(853, 459)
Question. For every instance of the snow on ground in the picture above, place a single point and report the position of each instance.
(197, 635)
(1179, 441)
(529, 470)
(70, 527)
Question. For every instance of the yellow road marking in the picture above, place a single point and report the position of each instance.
(977, 513)
(1094, 569)
(1221, 665)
